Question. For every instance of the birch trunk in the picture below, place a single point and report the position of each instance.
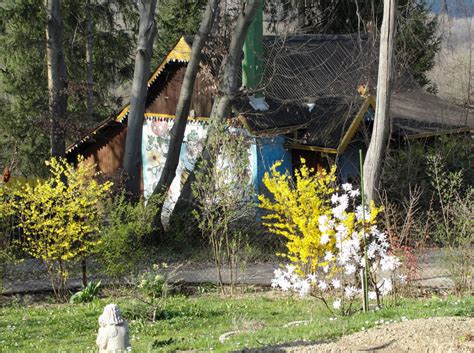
(57, 77)
(132, 155)
(379, 139)
(184, 101)
(228, 86)
(90, 61)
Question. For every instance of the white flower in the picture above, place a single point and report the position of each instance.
(349, 269)
(371, 250)
(338, 212)
(344, 201)
(336, 283)
(323, 285)
(361, 215)
(323, 223)
(402, 278)
(304, 288)
(350, 291)
(372, 295)
(329, 255)
(334, 199)
(336, 304)
(347, 187)
(386, 286)
(324, 239)
(354, 193)
(326, 269)
(312, 278)
(389, 263)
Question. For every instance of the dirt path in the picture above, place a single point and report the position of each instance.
(442, 334)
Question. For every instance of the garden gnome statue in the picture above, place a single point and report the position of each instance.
(113, 331)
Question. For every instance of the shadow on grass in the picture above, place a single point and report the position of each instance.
(280, 348)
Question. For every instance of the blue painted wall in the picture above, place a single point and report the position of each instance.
(265, 151)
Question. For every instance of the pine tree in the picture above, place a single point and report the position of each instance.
(23, 90)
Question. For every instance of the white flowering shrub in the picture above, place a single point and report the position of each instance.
(353, 233)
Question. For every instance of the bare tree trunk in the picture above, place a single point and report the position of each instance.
(380, 132)
(184, 102)
(132, 156)
(57, 77)
(89, 61)
(300, 16)
(228, 85)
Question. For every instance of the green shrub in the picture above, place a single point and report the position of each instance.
(126, 230)
(88, 294)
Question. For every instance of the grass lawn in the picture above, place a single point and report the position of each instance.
(197, 322)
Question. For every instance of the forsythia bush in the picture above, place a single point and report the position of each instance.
(331, 239)
(60, 217)
(294, 210)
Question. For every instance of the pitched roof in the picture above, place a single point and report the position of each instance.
(303, 67)
(326, 70)
(418, 114)
(180, 54)
(323, 70)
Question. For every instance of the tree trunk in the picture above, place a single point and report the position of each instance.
(133, 143)
(57, 77)
(184, 102)
(380, 132)
(300, 16)
(89, 61)
(228, 85)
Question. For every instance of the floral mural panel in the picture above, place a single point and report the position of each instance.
(155, 144)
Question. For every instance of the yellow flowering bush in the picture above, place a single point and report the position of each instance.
(293, 212)
(60, 217)
(330, 237)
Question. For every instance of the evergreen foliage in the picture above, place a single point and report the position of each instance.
(23, 76)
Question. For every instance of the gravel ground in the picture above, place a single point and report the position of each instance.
(442, 334)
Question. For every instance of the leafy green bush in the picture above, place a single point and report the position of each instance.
(125, 232)
(88, 294)
(153, 284)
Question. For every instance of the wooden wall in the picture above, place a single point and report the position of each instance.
(167, 99)
(106, 148)
(108, 156)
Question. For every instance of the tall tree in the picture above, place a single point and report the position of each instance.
(132, 157)
(90, 60)
(227, 83)
(380, 131)
(184, 101)
(24, 136)
(57, 77)
(228, 75)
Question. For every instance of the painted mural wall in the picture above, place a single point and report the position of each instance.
(263, 153)
(155, 144)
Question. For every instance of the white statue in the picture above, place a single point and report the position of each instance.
(113, 333)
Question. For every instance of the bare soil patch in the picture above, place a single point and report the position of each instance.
(440, 334)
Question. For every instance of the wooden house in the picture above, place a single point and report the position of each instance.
(314, 101)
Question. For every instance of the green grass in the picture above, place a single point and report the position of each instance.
(197, 323)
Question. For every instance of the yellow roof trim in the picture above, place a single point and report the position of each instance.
(170, 116)
(181, 52)
(310, 148)
(369, 101)
(439, 133)
(277, 130)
